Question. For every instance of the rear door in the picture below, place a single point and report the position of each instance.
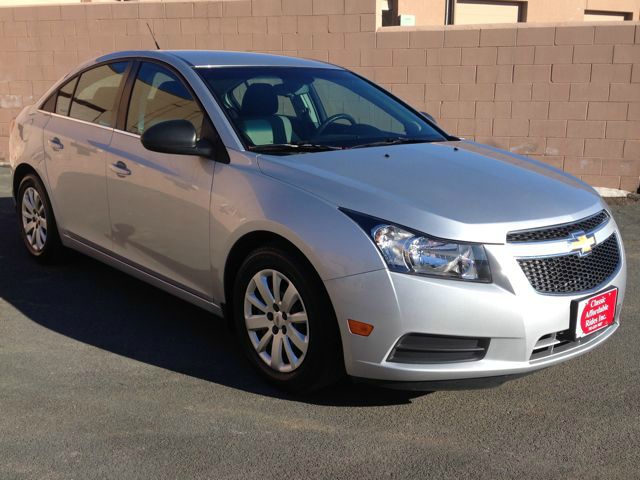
(159, 203)
(75, 142)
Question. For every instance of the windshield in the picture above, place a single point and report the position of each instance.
(290, 110)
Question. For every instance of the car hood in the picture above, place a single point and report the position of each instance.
(458, 190)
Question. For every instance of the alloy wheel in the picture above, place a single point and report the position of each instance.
(276, 320)
(34, 219)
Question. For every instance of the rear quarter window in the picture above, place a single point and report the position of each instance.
(63, 99)
(49, 105)
(60, 100)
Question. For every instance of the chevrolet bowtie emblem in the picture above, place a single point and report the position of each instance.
(582, 243)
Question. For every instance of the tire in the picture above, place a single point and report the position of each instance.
(310, 353)
(38, 226)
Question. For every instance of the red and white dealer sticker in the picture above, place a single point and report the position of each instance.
(595, 313)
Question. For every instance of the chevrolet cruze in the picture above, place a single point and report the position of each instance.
(338, 229)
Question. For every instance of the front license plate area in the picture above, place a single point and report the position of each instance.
(593, 313)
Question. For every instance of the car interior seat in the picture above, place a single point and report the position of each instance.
(260, 122)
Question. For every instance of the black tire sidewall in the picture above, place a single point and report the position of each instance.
(322, 360)
(52, 243)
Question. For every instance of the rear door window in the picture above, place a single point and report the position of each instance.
(96, 95)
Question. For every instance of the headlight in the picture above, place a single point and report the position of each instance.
(409, 251)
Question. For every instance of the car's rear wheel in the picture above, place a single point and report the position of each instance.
(37, 221)
(285, 321)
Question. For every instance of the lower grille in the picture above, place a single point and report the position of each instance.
(559, 342)
(573, 273)
(421, 348)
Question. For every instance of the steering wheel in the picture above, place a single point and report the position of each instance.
(333, 119)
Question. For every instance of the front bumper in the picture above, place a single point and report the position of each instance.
(477, 383)
(508, 311)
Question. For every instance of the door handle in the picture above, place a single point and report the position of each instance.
(56, 144)
(120, 169)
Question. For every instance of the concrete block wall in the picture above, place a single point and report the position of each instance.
(431, 12)
(567, 94)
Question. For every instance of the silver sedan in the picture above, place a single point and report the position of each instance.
(340, 231)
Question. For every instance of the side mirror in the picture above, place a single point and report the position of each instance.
(176, 136)
(429, 117)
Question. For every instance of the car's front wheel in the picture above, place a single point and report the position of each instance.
(37, 221)
(285, 321)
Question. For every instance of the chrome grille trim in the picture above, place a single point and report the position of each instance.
(561, 231)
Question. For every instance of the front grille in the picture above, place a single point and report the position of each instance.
(422, 348)
(573, 273)
(559, 232)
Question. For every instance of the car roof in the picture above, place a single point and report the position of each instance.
(216, 58)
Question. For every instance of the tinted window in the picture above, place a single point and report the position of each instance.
(50, 104)
(285, 107)
(159, 95)
(95, 97)
(63, 99)
(271, 106)
(342, 97)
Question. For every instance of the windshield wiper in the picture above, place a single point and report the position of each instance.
(293, 147)
(397, 141)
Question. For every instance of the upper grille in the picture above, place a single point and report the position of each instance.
(556, 232)
(573, 273)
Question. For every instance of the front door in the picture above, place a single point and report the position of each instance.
(159, 203)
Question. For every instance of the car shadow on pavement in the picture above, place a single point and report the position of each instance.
(92, 303)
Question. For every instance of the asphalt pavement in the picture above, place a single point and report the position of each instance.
(102, 376)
